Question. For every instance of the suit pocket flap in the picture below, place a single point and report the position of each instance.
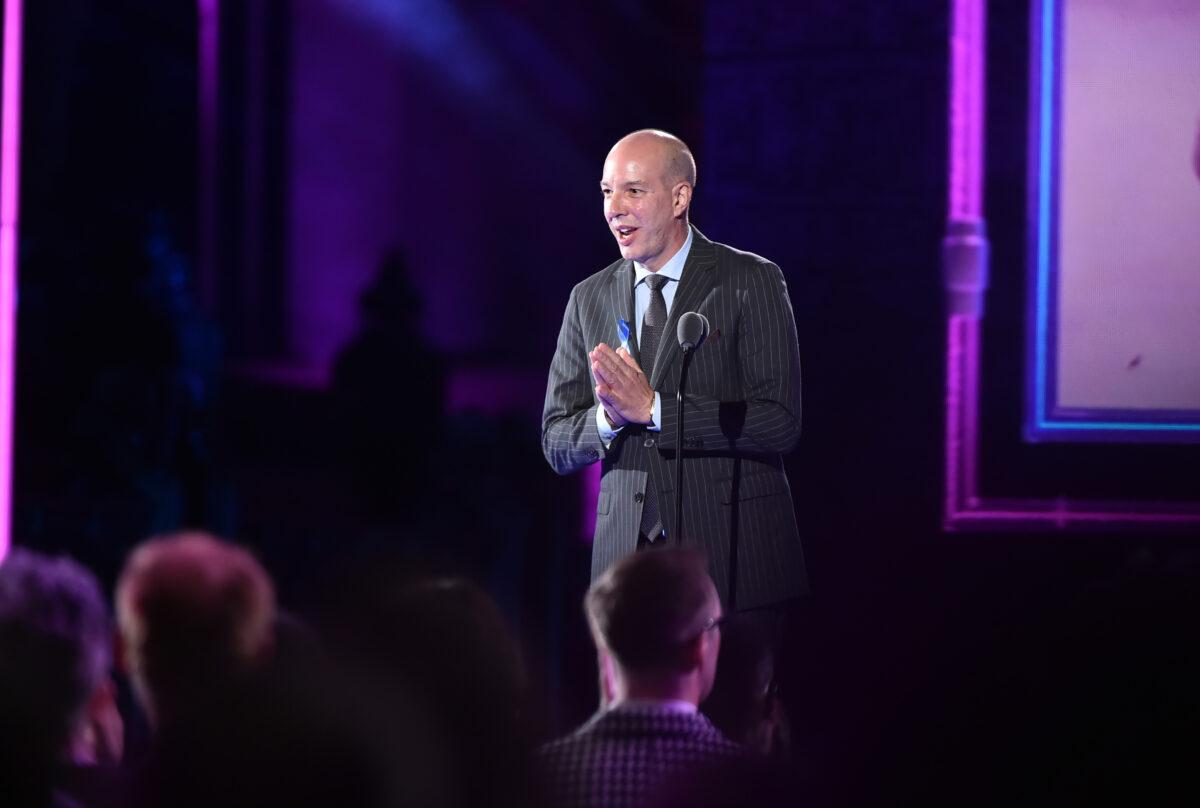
(750, 486)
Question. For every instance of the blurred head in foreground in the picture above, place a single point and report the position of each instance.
(57, 700)
(655, 618)
(194, 613)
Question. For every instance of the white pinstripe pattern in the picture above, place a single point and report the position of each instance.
(743, 413)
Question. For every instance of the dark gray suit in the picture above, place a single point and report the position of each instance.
(743, 412)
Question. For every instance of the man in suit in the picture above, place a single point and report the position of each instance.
(656, 622)
(618, 406)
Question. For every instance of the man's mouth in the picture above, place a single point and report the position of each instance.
(624, 234)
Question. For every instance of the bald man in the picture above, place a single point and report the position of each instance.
(611, 396)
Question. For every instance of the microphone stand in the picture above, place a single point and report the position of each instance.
(688, 353)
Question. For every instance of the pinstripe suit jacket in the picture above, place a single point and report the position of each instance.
(743, 413)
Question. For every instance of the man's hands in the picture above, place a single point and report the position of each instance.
(621, 386)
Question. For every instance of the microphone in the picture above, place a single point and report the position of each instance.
(692, 330)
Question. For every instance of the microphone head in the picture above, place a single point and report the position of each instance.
(692, 330)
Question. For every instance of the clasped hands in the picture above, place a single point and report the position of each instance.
(621, 386)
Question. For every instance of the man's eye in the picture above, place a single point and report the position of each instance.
(635, 191)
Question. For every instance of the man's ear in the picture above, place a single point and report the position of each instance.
(681, 198)
(608, 677)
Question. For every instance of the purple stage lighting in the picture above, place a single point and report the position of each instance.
(10, 132)
(208, 55)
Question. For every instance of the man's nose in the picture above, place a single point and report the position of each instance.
(613, 207)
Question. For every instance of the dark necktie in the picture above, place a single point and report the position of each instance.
(652, 328)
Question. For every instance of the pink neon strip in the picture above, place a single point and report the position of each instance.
(10, 149)
(954, 429)
(208, 21)
(1066, 517)
(956, 417)
(962, 414)
(966, 109)
(970, 396)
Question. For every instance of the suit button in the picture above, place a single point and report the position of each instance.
(649, 444)
(638, 497)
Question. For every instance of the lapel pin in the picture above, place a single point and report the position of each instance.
(623, 333)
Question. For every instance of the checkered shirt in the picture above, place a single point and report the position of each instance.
(624, 756)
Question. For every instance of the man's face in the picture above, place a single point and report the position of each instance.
(643, 211)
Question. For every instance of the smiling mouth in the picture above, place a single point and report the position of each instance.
(624, 234)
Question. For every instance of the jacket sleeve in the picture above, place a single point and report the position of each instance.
(570, 439)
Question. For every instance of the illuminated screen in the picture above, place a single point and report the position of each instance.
(1115, 193)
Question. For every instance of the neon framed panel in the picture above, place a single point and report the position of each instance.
(965, 269)
(1114, 223)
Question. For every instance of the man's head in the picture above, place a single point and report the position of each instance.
(193, 612)
(657, 615)
(648, 181)
(55, 651)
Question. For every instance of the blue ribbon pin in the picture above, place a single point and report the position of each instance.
(623, 333)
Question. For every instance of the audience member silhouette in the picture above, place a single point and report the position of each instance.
(194, 614)
(655, 619)
(388, 383)
(744, 703)
(443, 642)
(198, 626)
(57, 699)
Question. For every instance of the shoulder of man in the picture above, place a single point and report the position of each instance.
(740, 259)
(566, 745)
(597, 280)
(715, 741)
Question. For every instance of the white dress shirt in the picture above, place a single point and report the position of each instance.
(658, 705)
(673, 271)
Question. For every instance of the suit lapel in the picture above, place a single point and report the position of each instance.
(695, 284)
(620, 301)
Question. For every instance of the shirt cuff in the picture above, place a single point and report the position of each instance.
(655, 424)
(607, 433)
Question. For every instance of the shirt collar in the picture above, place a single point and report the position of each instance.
(656, 705)
(673, 269)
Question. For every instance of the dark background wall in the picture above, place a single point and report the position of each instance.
(469, 137)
